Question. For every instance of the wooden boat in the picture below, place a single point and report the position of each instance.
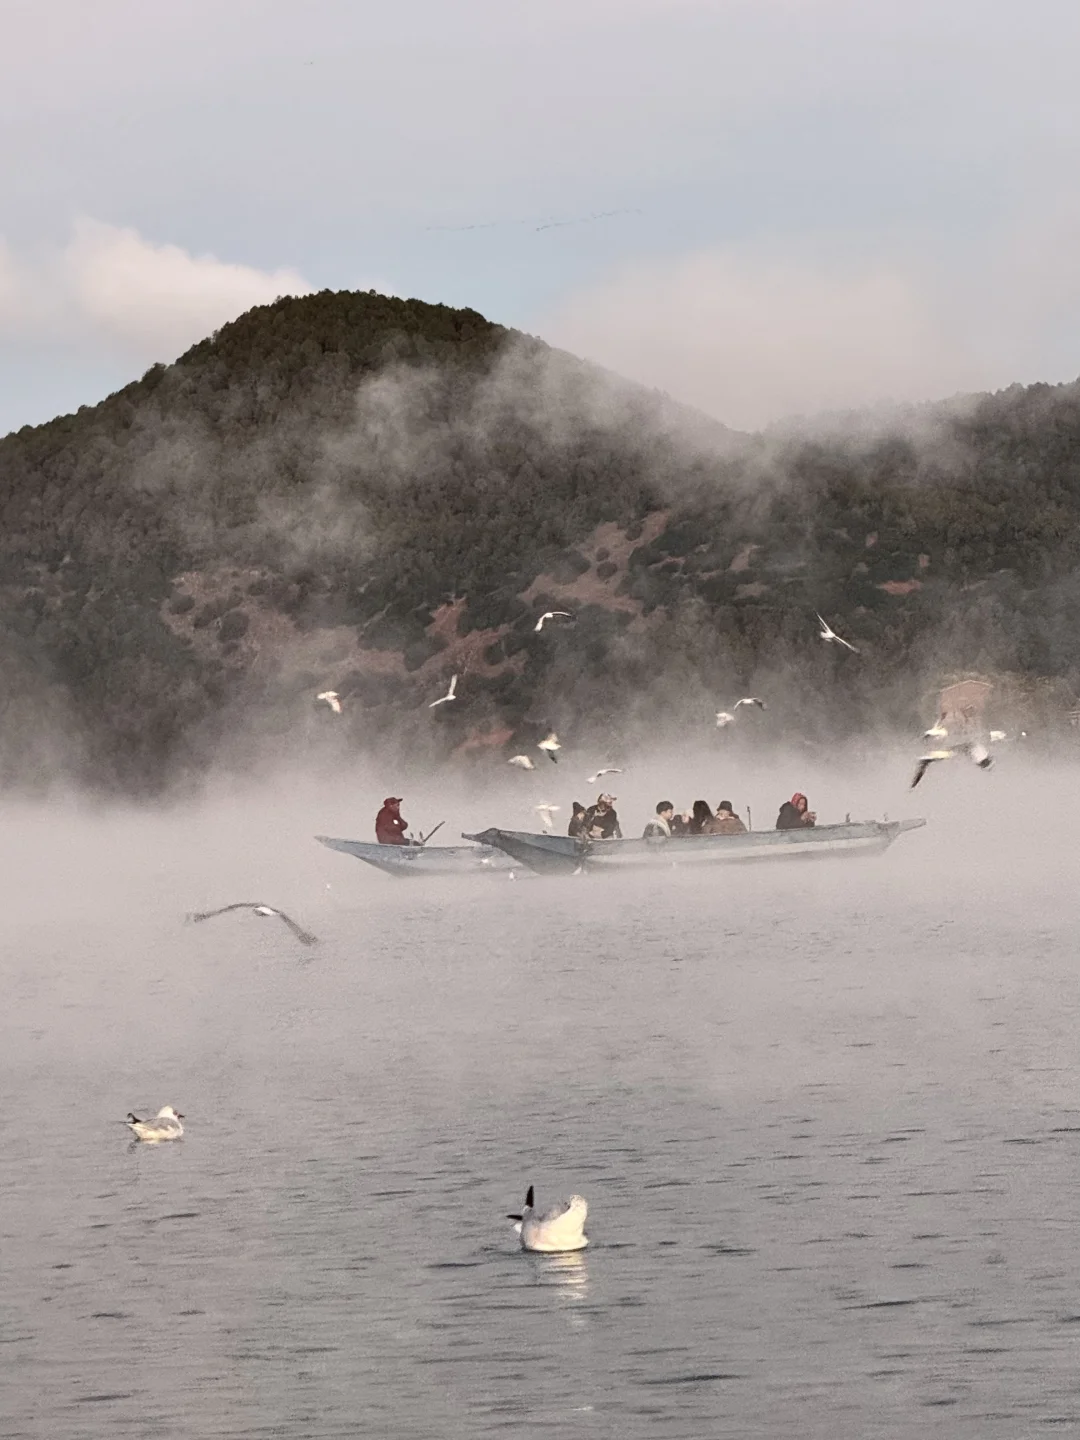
(412, 860)
(561, 855)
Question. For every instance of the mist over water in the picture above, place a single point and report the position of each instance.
(827, 1117)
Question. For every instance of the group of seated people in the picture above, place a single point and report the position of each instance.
(601, 821)
(667, 825)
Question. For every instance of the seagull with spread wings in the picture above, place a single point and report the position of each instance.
(829, 635)
(450, 694)
(976, 752)
(304, 936)
(551, 615)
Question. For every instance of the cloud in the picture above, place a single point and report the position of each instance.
(752, 339)
(108, 285)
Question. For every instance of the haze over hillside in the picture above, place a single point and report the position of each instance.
(353, 492)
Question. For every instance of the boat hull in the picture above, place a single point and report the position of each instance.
(410, 861)
(561, 855)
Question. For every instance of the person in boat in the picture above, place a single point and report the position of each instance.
(680, 824)
(576, 828)
(390, 827)
(700, 819)
(659, 827)
(725, 821)
(601, 820)
(795, 813)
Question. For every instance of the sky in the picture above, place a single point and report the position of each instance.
(763, 207)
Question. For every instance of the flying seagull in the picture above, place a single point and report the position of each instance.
(551, 615)
(549, 745)
(560, 1228)
(304, 936)
(727, 717)
(331, 698)
(164, 1126)
(545, 812)
(448, 696)
(977, 753)
(828, 635)
(607, 770)
(522, 762)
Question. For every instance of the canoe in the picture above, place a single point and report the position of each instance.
(561, 855)
(412, 860)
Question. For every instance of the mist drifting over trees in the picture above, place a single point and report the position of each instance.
(366, 494)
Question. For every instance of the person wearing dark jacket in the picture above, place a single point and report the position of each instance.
(794, 814)
(601, 821)
(389, 826)
(701, 819)
(576, 828)
(659, 827)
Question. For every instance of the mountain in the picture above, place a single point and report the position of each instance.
(352, 492)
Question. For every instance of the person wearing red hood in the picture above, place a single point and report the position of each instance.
(794, 813)
(389, 826)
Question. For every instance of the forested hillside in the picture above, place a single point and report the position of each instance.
(363, 494)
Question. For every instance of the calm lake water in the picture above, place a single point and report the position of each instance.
(827, 1118)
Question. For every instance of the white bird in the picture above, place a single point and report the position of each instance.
(331, 698)
(607, 770)
(750, 700)
(727, 717)
(545, 812)
(549, 746)
(164, 1126)
(551, 615)
(304, 936)
(723, 718)
(558, 1229)
(522, 762)
(448, 696)
(828, 634)
(996, 735)
(937, 731)
(977, 753)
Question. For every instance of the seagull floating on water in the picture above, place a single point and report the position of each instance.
(549, 745)
(332, 699)
(551, 615)
(304, 936)
(523, 762)
(448, 696)
(558, 1229)
(828, 635)
(164, 1126)
(976, 752)
(607, 770)
(545, 812)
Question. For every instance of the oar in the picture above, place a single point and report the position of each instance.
(425, 838)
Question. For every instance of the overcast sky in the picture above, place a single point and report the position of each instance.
(817, 202)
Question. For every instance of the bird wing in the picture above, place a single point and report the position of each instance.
(453, 687)
(825, 630)
(846, 643)
(197, 915)
(304, 936)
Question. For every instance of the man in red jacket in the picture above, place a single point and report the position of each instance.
(389, 826)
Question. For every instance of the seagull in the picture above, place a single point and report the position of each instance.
(551, 615)
(937, 731)
(549, 746)
(828, 634)
(448, 696)
(726, 717)
(545, 812)
(522, 762)
(607, 770)
(977, 753)
(331, 698)
(996, 735)
(560, 1228)
(164, 1126)
(304, 936)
